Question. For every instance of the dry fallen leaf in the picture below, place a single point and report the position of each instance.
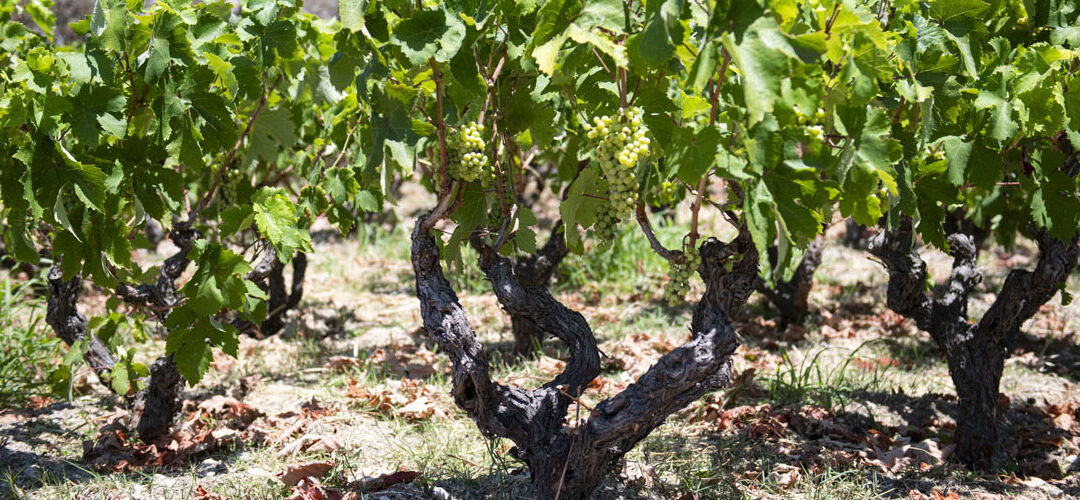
(236, 413)
(379, 483)
(784, 475)
(310, 443)
(951, 495)
(202, 494)
(293, 474)
(310, 488)
(341, 363)
(408, 398)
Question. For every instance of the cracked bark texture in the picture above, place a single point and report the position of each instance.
(791, 297)
(62, 314)
(536, 270)
(159, 403)
(269, 275)
(568, 461)
(975, 352)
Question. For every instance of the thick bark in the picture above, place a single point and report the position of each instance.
(269, 275)
(159, 403)
(535, 419)
(792, 297)
(62, 314)
(855, 235)
(536, 270)
(976, 352)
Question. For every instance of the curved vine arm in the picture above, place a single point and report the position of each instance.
(536, 419)
(681, 376)
(62, 314)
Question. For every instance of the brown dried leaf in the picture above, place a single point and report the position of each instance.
(293, 474)
(385, 481)
(311, 443)
(341, 363)
(202, 494)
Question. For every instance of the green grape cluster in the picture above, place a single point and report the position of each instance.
(607, 223)
(620, 144)
(679, 271)
(466, 160)
(230, 183)
(668, 191)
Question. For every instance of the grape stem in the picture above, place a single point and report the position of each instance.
(442, 209)
(704, 182)
(491, 86)
(504, 231)
(440, 127)
(232, 154)
(622, 88)
(499, 188)
(646, 227)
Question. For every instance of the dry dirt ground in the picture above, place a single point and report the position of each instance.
(854, 403)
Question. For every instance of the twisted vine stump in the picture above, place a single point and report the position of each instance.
(567, 461)
(269, 275)
(536, 270)
(791, 297)
(159, 403)
(975, 352)
(63, 316)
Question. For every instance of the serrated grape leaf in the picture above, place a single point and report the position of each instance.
(763, 63)
(957, 154)
(694, 153)
(995, 98)
(367, 202)
(759, 212)
(97, 110)
(704, 66)
(866, 161)
(273, 131)
(653, 45)
(351, 13)
(235, 219)
(578, 208)
(157, 58)
(429, 33)
(109, 23)
(277, 221)
(946, 10)
(89, 180)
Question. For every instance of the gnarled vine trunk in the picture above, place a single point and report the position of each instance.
(975, 352)
(536, 270)
(269, 276)
(159, 403)
(62, 314)
(792, 297)
(567, 461)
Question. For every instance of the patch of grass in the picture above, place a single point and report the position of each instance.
(817, 381)
(628, 267)
(27, 350)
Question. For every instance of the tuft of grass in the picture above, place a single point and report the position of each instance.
(817, 381)
(27, 350)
